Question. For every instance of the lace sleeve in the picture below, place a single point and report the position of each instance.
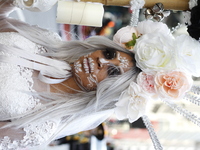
(32, 135)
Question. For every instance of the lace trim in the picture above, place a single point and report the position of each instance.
(36, 134)
(7, 144)
(16, 80)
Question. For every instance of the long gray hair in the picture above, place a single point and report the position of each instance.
(88, 108)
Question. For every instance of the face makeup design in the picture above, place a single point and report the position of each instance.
(77, 67)
(92, 81)
(123, 61)
(99, 65)
(79, 81)
(103, 61)
(88, 64)
(88, 67)
(91, 64)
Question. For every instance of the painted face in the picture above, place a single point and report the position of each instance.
(93, 68)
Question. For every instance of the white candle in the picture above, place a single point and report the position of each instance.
(80, 13)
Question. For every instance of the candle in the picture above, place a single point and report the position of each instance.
(80, 13)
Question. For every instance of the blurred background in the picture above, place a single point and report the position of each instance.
(174, 131)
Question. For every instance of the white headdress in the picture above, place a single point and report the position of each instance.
(168, 64)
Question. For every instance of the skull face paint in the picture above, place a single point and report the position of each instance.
(103, 61)
(123, 61)
(77, 67)
(91, 69)
(88, 64)
(92, 81)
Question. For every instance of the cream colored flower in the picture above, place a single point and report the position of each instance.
(132, 103)
(172, 84)
(124, 36)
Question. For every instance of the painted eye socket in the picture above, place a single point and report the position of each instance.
(113, 71)
(109, 53)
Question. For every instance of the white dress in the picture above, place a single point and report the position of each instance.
(16, 83)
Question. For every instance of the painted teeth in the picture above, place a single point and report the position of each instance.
(85, 65)
(91, 62)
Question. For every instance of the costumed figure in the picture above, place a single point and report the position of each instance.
(52, 88)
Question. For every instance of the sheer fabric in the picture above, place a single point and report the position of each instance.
(16, 83)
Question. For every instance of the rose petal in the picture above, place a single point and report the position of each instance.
(121, 112)
(174, 93)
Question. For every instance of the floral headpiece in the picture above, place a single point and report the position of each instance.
(167, 63)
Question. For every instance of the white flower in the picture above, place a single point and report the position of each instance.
(188, 54)
(154, 52)
(125, 35)
(149, 26)
(132, 103)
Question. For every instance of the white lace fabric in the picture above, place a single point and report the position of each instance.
(16, 80)
(16, 83)
(34, 135)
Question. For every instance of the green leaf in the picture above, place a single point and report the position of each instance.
(132, 42)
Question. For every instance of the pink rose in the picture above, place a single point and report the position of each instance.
(124, 37)
(172, 84)
(146, 82)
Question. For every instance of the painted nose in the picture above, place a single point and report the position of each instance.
(102, 62)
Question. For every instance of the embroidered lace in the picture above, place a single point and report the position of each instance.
(35, 135)
(16, 83)
(16, 79)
